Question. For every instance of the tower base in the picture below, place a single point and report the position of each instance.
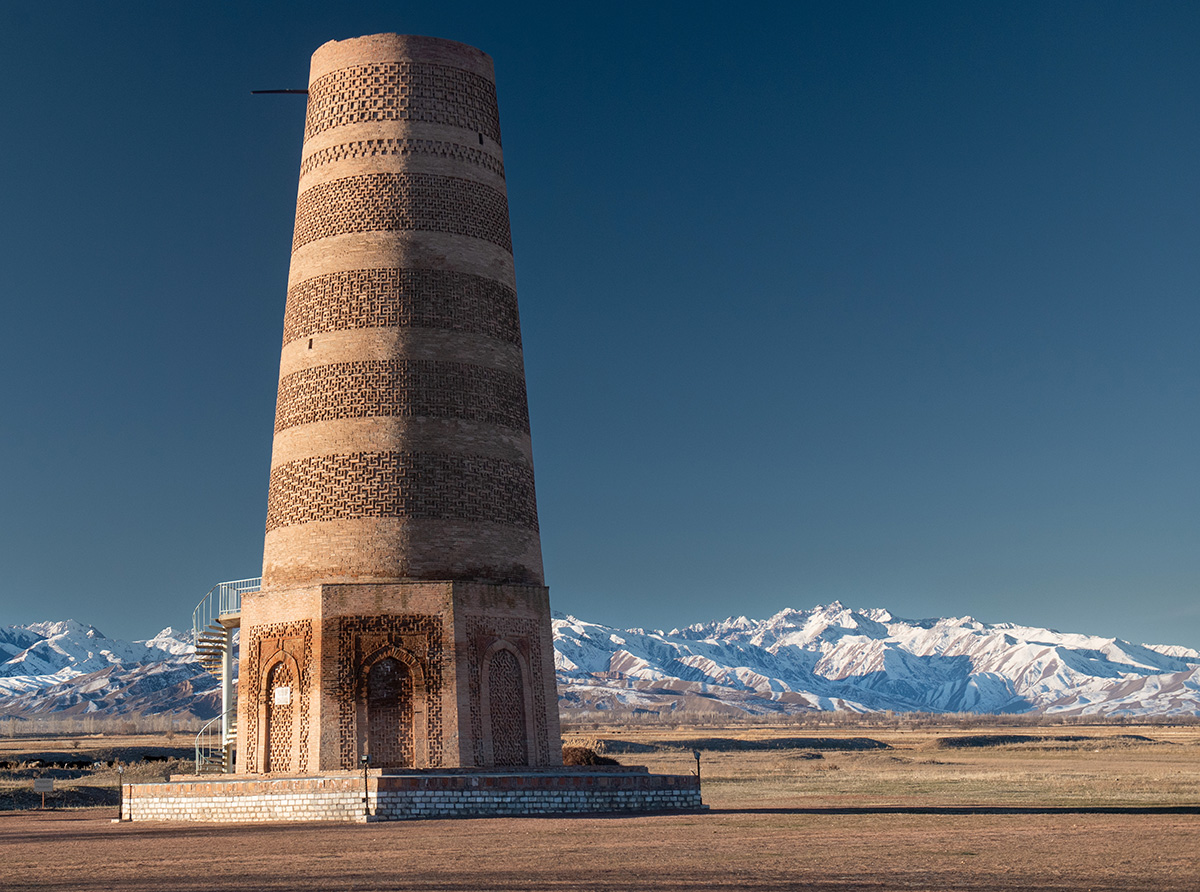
(411, 795)
(412, 675)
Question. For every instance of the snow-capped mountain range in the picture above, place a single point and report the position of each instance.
(830, 657)
(833, 657)
(66, 668)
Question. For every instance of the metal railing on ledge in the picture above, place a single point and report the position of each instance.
(223, 599)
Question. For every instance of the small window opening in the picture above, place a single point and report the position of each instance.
(481, 139)
(310, 343)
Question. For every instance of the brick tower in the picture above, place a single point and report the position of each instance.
(402, 613)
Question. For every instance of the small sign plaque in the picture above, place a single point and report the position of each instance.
(283, 695)
(43, 785)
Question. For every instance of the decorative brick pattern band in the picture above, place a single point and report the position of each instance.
(402, 484)
(402, 298)
(402, 388)
(391, 202)
(402, 91)
(373, 148)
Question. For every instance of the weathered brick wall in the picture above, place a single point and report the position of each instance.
(402, 447)
(408, 797)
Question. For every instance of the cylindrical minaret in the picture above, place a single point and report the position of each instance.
(402, 445)
(402, 617)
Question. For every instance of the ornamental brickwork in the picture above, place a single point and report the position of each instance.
(401, 484)
(402, 298)
(413, 646)
(372, 148)
(398, 312)
(276, 657)
(403, 91)
(402, 615)
(492, 718)
(384, 202)
(506, 710)
(402, 388)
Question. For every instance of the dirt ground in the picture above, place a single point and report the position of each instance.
(1112, 808)
(735, 849)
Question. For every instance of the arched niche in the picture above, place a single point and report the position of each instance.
(394, 732)
(279, 714)
(506, 702)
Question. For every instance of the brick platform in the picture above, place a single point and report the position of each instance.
(409, 795)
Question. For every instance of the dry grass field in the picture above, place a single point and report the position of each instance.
(1107, 765)
(1117, 809)
(91, 786)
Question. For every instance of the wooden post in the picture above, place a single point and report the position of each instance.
(43, 785)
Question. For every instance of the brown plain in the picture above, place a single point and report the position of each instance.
(1106, 811)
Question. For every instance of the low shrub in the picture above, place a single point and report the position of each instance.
(574, 756)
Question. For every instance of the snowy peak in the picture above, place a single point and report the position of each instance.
(64, 627)
(171, 641)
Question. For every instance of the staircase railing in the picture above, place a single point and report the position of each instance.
(213, 744)
(223, 599)
(214, 622)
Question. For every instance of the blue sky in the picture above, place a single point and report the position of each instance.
(888, 303)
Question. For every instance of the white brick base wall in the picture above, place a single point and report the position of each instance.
(407, 797)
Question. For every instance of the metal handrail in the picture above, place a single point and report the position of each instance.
(204, 738)
(223, 599)
(213, 618)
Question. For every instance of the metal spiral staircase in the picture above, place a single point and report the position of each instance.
(214, 622)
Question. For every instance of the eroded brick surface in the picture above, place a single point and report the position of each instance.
(389, 714)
